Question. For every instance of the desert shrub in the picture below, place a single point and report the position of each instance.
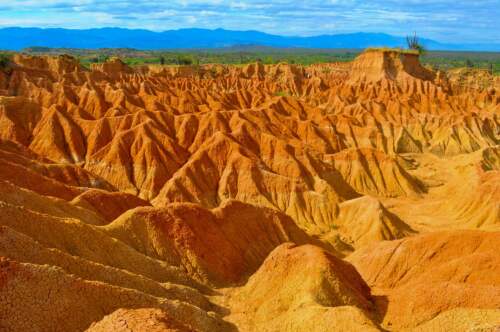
(184, 60)
(269, 60)
(4, 60)
(413, 43)
(102, 58)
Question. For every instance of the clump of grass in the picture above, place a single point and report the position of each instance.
(282, 94)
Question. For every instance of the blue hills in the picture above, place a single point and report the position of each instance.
(19, 38)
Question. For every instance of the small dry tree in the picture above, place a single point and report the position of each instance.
(413, 43)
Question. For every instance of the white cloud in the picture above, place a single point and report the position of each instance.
(448, 20)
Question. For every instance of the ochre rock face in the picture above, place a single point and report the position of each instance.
(360, 196)
(376, 65)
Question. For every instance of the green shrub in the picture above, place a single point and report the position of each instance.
(183, 60)
(413, 43)
(4, 60)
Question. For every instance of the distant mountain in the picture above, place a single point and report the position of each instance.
(19, 38)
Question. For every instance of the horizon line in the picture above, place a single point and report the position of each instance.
(212, 29)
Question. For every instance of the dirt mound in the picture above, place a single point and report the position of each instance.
(280, 296)
(219, 246)
(463, 320)
(64, 294)
(154, 320)
(108, 204)
(14, 195)
(372, 172)
(26, 169)
(22, 248)
(443, 271)
(365, 220)
(60, 65)
(386, 64)
(113, 67)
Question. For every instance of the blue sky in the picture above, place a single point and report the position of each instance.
(444, 20)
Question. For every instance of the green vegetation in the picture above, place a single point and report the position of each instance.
(4, 60)
(448, 60)
(390, 49)
(282, 94)
(268, 55)
(233, 56)
(414, 44)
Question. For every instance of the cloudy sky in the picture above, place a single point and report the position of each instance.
(443, 20)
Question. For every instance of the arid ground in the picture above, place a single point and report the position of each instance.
(361, 196)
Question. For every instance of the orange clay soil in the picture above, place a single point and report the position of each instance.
(362, 196)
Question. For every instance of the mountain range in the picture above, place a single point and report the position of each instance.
(18, 38)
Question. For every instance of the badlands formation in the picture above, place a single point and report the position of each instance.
(337, 197)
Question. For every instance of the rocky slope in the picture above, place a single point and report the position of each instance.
(348, 197)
